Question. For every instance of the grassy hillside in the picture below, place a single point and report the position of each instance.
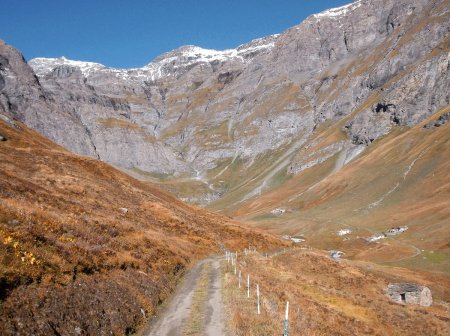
(87, 249)
(402, 179)
(326, 297)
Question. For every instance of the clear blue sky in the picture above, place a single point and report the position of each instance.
(130, 33)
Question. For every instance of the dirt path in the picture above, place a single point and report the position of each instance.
(172, 320)
(416, 252)
(214, 308)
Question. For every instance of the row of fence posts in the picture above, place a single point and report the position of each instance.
(232, 258)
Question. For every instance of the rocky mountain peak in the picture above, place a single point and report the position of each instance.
(190, 53)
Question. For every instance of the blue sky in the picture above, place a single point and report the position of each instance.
(130, 33)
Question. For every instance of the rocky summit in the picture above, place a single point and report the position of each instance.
(196, 115)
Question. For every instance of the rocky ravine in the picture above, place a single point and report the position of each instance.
(197, 113)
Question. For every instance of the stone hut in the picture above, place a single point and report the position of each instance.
(409, 293)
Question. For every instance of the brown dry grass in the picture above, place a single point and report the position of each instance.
(71, 259)
(326, 298)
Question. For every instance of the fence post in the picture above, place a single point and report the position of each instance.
(239, 279)
(286, 320)
(257, 298)
(248, 285)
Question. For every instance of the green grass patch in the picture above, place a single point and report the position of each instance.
(428, 261)
(263, 217)
(151, 175)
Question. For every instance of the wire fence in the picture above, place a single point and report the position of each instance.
(234, 267)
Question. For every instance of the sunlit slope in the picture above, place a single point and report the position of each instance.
(401, 180)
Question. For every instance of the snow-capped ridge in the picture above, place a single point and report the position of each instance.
(338, 11)
(43, 66)
(258, 44)
(191, 53)
(164, 64)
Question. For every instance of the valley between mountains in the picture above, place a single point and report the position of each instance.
(330, 138)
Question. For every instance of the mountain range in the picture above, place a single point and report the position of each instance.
(334, 132)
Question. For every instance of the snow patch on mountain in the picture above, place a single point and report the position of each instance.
(43, 66)
(338, 11)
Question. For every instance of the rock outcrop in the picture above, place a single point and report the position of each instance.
(442, 120)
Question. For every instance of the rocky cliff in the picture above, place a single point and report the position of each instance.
(245, 118)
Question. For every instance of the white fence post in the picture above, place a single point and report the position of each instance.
(286, 320)
(257, 298)
(248, 285)
(239, 279)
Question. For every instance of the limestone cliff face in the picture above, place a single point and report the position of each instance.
(370, 66)
(22, 97)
